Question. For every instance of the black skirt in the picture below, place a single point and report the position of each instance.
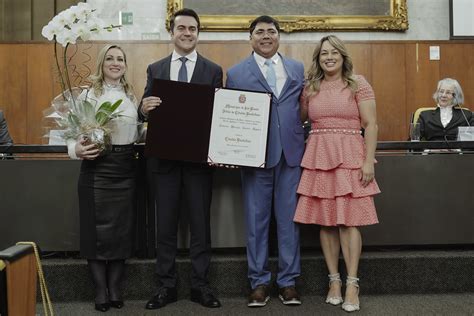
(107, 205)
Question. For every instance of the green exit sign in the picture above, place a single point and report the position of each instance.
(126, 18)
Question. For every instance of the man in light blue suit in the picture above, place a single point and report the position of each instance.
(5, 138)
(275, 186)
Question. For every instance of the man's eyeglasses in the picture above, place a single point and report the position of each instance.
(261, 33)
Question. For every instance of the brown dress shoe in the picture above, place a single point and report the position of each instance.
(289, 296)
(259, 296)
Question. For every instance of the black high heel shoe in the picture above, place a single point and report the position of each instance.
(102, 307)
(116, 304)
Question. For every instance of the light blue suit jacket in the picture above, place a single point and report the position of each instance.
(286, 132)
(5, 138)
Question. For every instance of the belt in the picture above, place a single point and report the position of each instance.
(347, 131)
(119, 148)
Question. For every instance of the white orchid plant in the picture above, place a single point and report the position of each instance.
(77, 118)
(77, 22)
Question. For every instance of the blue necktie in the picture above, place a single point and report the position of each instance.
(183, 72)
(271, 76)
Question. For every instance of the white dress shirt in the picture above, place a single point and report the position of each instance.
(176, 65)
(280, 71)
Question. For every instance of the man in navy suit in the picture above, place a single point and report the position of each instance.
(275, 186)
(176, 181)
(5, 138)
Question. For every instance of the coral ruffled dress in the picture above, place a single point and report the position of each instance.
(330, 191)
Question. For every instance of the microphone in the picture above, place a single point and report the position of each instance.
(464, 115)
(448, 145)
(465, 118)
(462, 111)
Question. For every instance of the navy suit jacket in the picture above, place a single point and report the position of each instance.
(286, 132)
(205, 72)
(5, 138)
(431, 127)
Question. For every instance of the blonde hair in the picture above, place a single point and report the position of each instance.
(316, 73)
(98, 77)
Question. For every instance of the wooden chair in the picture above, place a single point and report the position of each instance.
(418, 111)
(18, 281)
(416, 115)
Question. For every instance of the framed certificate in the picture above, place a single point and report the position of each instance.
(239, 128)
(199, 123)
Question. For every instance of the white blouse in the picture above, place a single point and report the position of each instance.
(446, 114)
(124, 129)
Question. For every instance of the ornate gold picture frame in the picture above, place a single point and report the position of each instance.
(380, 15)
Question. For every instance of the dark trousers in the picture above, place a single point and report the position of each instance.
(175, 183)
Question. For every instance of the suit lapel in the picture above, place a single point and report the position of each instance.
(198, 70)
(454, 119)
(457, 118)
(289, 74)
(164, 70)
(437, 118)
(255, 70)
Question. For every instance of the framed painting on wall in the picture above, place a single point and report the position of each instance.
(461, 13)
(299, 15)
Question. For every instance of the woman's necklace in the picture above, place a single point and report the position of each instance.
(111, 85)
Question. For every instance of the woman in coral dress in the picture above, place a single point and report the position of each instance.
(337, 185)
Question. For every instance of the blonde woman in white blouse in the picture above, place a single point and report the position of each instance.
(107, 183)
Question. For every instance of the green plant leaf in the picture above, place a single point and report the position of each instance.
(105, 112)
(88, 110)
(74, 120)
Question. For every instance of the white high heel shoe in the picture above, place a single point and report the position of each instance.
(334, 300)
(351, 307)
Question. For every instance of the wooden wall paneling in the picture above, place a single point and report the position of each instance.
(225, 54)
(2, 19)
(47, 65)
(361, 55)
(300, 51)
(82, 62)
(41, 89)
(388, 81)
(401, 73)
(13, 92)
(457, 62)
(139, 56)
(422, 75)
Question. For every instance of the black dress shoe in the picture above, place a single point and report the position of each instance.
(116, 304)
(163, 297)
(205, 297)
(102, 307)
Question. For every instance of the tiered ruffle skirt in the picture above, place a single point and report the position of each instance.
(330, 189)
